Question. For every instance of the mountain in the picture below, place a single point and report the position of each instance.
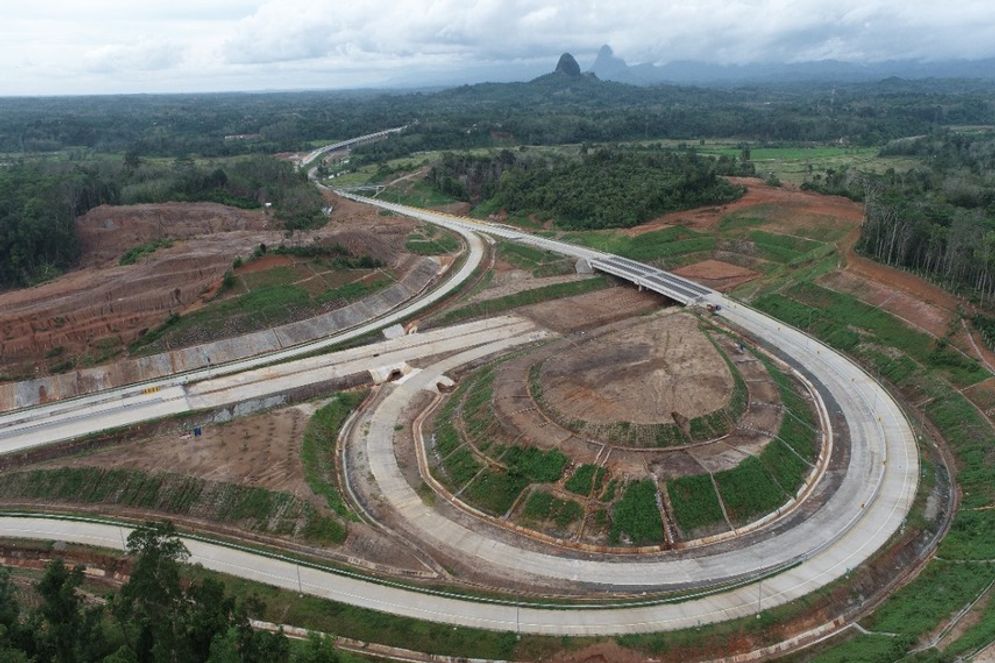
(608, 66)
(567, 65)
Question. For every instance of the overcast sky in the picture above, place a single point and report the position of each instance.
(107, 46)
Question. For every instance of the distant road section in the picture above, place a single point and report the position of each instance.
(325, 149)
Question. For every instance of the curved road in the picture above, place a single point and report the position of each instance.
(75, 417)
(862, 514)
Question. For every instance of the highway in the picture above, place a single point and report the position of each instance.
(866, 510)
(71, 418)
(325, 149)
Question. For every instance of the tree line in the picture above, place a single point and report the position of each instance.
(600, 188)
(938, 219)
(40, 200)
(156, 617)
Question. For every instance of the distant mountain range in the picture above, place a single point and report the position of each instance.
(608, 66)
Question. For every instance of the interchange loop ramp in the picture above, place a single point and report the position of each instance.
(865, 511)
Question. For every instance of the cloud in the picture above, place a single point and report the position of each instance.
(135, 56)
(325, 43)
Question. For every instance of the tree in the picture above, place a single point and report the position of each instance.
(151, 607)
(317, 649)
(70, 631)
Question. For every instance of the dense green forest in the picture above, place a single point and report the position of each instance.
(937, 220)
(39, 201)
(550, 110)
(156, 616)
(602, 188)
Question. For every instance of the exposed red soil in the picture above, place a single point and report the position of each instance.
(721, 276)
(757, 194)
(96, 310)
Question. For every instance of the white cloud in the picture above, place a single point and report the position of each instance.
(119, 45)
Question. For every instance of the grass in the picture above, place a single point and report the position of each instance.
(287, 607)
(253, 508)
(535, 465)
(836, 318)
(648, 247)
(461, 466)
(318, 448)
(938, 592)
(976, 636)
(637, 516)
(781, 248)
(585, 479)
(132, 255)
(543, 506)
(694, 502)
(971, 536)
(539, 263)
(419, 244)
(748, 491)
(272, 299)
(534, 296)
(495, 491)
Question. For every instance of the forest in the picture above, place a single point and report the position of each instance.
(602, 188)
(937, 220)
(158, 615)
(40, 200)
(546, 111)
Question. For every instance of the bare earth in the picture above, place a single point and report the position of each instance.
(103, 304)
(643, 374)
(721, 276)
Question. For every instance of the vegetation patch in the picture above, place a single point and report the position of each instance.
(253, 508)
(694, 502)
(543, 506)
(132, 255)
(585, 479)
(495, 491)
(318, 448)
(636, 515)
(497, 305)
(748, 491)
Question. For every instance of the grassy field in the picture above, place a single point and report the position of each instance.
(430, 242)
(256, 509)
(694, 502)
(318, 448)
(500, 304)
(260, 300)
(586, 479)
(542, 506)
(636, 515)
(794, 163)
(539, 263)
(655, 247)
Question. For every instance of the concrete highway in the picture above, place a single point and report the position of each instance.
(325, 149)
(861, 515)
(254, 384)
(71, 418)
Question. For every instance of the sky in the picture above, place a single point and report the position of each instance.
(126, 46)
